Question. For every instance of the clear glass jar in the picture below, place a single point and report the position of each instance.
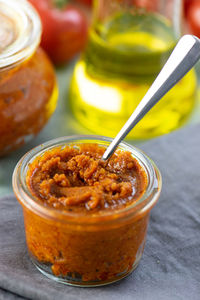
(129, 42)
(80, 249)
(28, 89)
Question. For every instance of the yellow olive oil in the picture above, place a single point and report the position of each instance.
(122, 59)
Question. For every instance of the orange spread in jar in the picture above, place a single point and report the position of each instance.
(74, 179)
(28, 88)
(77, 179)
(28, 95)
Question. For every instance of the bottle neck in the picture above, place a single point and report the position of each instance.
(131, 44)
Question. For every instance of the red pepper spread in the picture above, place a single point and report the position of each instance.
(77, 179)
(74, 179)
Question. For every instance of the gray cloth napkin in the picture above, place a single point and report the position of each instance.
(170, 267)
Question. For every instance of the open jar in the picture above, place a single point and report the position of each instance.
(28, 89)
(78, 248)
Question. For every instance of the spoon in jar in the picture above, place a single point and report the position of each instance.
(183, 58)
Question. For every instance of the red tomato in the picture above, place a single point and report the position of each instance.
(88, 2)
(64, 29)
(193, 17)
(186, 5)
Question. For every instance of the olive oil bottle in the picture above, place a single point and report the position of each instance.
(124, 54)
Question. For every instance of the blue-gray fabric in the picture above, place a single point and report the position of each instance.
(170, 267)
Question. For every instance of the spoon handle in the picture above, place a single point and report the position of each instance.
(183, 58)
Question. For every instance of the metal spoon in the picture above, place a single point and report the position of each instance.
(183, 58)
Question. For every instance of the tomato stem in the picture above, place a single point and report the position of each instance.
(60, 3)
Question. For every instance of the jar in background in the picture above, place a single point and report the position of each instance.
(129, 42)
(28, 89)
(85, 249)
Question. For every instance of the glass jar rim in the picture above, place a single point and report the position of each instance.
(27, 21)
(137, 208)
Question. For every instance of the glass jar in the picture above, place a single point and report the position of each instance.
(80, 249)
(129, 42)
(28, 89)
